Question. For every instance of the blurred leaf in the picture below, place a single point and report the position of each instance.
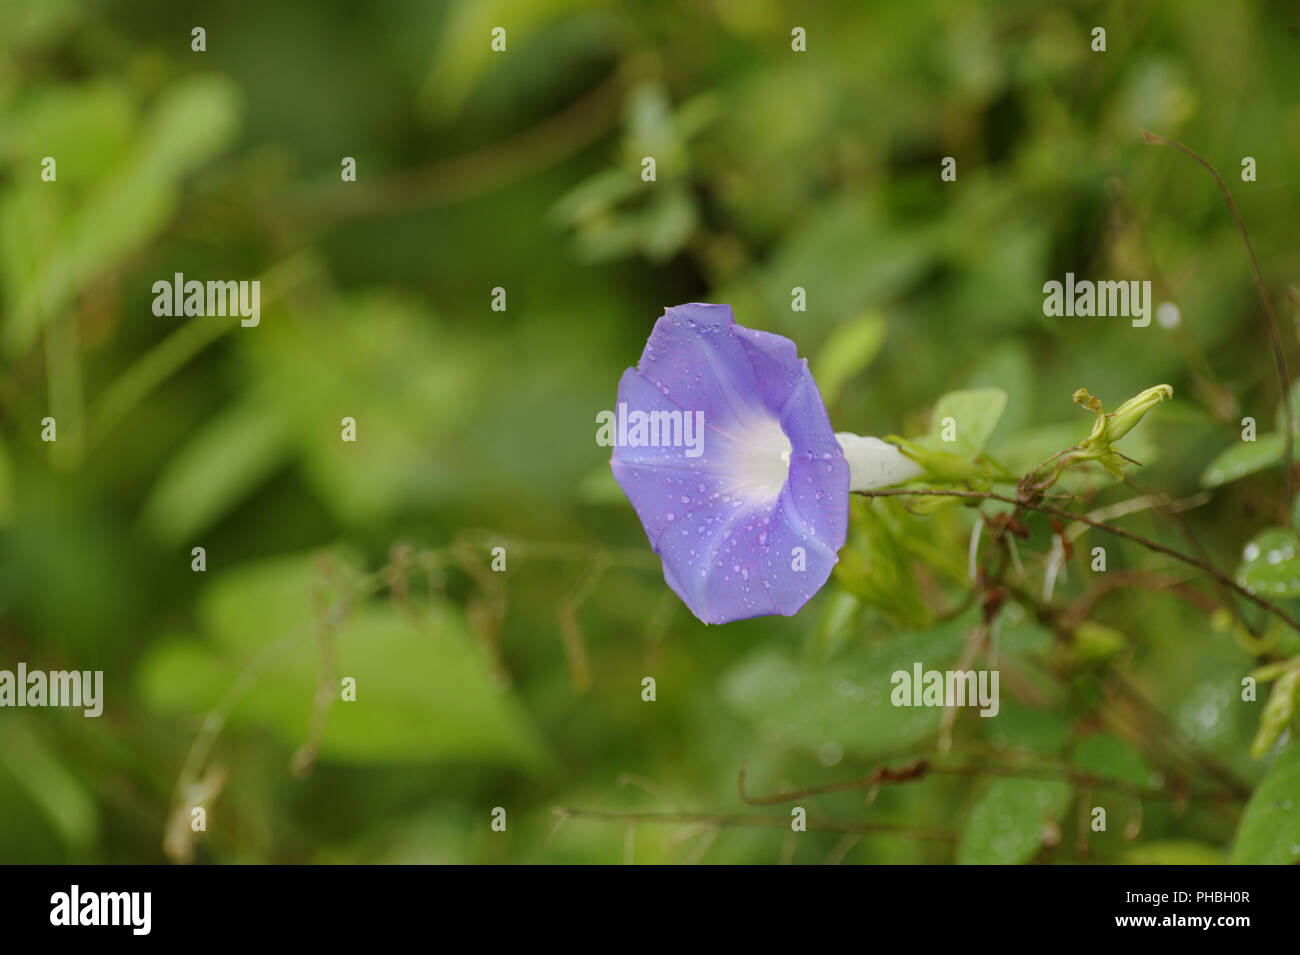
(250, 606)
(216, 469)
(403, 377)
(465, 51)
(848, 350)
(85, 128)
(651, 130)
(1244, 458)
(1109, 758)
(1036, 730)
(668, 224)
(53, 787)
(1269, 832)
(836, 626)
(424, 690)
(847, 699)
(1008, 821)
(596, 196)
(848, 257)
(192, 121)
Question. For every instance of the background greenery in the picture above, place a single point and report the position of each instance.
(521, 170)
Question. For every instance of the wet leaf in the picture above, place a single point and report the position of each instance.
(1270, 563)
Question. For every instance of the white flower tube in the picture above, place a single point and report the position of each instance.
(874, 463)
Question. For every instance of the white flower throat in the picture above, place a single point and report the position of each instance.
(761, 460)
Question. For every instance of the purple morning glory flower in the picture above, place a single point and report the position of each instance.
(723, 445)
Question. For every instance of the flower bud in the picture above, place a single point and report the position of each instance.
(1122, 421)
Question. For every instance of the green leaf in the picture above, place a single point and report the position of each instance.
(1244, 458)
(595, 196)
(193, 120)
(1105, 756)
(849, 256)
(845, 701)
(225, 461)
(836, 627)
(668, 224)
(974, 413)
(1269, 833)
(461, 61)
(1024, 727)
(1007, 822)
(424, 690)
(250, 607)
(86, 127)
(1270, 563)
(848, 350)
(42, 771)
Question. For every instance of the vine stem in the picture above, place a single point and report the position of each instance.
(1099, 525)
(1284, 376)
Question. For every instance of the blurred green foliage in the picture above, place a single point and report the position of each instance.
(522, 170)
